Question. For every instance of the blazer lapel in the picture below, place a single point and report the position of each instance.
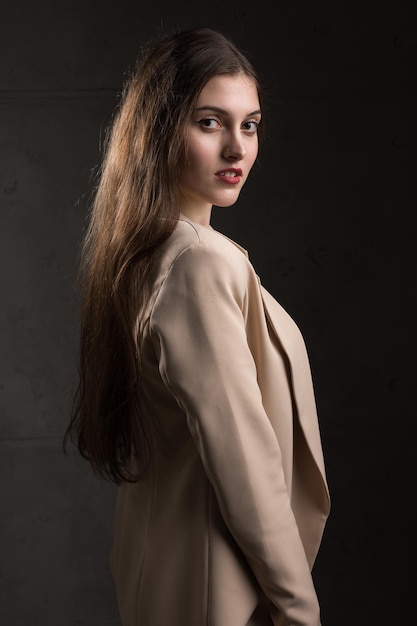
(293, 345)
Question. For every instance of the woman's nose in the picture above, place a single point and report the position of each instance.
(234, 148)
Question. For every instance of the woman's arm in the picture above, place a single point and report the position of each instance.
(198, 323)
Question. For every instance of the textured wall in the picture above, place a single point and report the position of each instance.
(327, 222)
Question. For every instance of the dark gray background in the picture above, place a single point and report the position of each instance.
(327, 220)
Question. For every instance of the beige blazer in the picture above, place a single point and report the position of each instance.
(225, 528)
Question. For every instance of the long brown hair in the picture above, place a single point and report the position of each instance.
(133, 211)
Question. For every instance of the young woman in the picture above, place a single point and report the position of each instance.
(195, 394)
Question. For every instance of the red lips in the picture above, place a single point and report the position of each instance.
(230, 175)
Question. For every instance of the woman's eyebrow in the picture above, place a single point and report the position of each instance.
(220, 110)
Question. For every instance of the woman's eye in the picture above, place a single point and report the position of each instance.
(251, 126)
(209, 122)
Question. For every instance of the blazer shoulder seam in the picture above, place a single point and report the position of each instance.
(194, 245)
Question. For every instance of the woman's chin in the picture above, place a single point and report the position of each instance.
(226, 202)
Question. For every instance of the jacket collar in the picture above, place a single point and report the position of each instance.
(184, 218)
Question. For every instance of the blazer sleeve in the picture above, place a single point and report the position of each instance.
(198, 324)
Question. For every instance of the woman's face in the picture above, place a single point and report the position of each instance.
(222, 142)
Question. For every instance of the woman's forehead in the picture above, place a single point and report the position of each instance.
(230, 93)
